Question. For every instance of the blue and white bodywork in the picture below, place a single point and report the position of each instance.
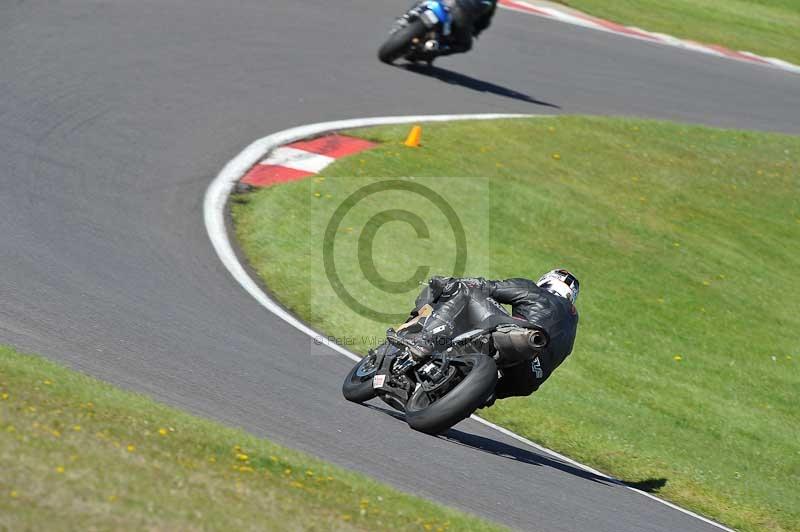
(433, 13)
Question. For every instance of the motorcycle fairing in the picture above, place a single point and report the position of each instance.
(435, 13)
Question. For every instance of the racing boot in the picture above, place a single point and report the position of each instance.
(489, 401)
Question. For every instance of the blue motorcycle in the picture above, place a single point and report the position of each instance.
(419, 34)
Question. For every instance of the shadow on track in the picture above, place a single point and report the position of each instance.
(525, 456)
(455, 78)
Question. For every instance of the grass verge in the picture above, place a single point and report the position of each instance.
(765, 27)
(77, 454)
(686, 242)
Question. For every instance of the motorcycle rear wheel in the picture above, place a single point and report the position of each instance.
(459, 403)
(399, 42)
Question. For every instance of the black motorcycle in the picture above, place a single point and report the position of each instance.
(417, 34)
(440, 390)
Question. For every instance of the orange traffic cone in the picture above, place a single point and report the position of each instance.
(414, 136)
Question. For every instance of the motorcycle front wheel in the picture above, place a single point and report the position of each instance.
(357, 385)
(434, 416)
(399, 43)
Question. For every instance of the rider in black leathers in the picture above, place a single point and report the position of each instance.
(548, 304)
(470, 18)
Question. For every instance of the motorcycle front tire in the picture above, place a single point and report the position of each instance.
(357, 386)
(399, 43)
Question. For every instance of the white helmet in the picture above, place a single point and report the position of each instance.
(561, 283)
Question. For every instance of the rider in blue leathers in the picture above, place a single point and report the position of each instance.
(470, 18)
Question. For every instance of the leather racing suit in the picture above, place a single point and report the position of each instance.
(451, 300)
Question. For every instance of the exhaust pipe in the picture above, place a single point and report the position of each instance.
(538, 339)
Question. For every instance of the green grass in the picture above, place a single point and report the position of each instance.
(686, 240)
(77, 454)
(765, 27)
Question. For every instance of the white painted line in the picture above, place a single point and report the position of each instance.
(298, 160)
(596, 472)
(214, 216)
(647, 36)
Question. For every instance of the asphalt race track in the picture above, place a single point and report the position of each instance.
(115, 116)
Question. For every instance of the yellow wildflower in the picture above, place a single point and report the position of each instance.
(317, 194)
(4, 396)
(76, 428)
(242, 457)
(677, 358)
(60, 469)
(557, 156)
(296, 484)
(131, 448)
(163, 432)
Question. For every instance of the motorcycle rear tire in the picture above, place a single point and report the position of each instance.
(399, 43)
(459, 403)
